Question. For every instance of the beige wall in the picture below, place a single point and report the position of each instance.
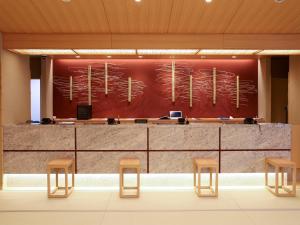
(264, 88)
(294, 106)
(294, 90)
(1, 130)
(279, 99)
(15, 88)
(47, 88)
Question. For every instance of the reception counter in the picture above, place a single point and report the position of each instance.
(161, 148)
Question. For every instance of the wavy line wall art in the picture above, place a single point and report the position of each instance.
(151, 87)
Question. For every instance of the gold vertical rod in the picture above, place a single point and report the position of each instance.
(71, 88)
(129, 89)
(173, 80)
(90, 84)
(106, 78)
(237, 92)
(191, 91)
(214, 85)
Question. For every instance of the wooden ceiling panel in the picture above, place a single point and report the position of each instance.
(256, 16)
(78, 16)
(150, 16)
(20, 16)
(194, 16)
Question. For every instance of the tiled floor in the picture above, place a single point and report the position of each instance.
(252, 206)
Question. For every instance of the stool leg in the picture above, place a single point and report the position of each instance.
(282, 177)
(194, 171)
(121, 181)
(276, 179)
(66, 182)
(199, 180)
(48, 181)
(210, 177)
(217, 182)
(294, 180)
(266, 173)
(138, 181)
(56, 177)
(73, 175)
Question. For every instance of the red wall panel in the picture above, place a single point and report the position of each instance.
(151, 87)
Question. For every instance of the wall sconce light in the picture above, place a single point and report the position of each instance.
(106, 78)
(173, 81)
(191, 91)
(129, 89)
(237, 92)
(214, 85)
(71, 88)
(90, 84)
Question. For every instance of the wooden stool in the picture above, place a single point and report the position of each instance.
(57, 165)
(129, 164)
(280, 164)
(212, 165)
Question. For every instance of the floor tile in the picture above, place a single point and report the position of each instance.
(39, 201)
(275, 217)
(177, 218)
(171, 201)
(50, 218)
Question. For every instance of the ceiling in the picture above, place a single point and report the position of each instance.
(150, 16)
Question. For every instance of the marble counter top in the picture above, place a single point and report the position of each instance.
(141, 136)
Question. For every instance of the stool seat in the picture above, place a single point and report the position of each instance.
(60, 163)
(280, 162)
(130, 163)
(206, 162)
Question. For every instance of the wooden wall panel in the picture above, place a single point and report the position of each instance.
(166, 41)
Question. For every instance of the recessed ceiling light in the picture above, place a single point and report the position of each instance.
(279, 1)
(44, 51)
(227, 52)
(105, 51)
(167, 51)
(208, 1)
(66, 1)
(279, 52)
(137, 0)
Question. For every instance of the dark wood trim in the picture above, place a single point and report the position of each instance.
(148, 161)
(75, 138)
(42, 150)
(254, 150)
(220, 147)
(111, 150)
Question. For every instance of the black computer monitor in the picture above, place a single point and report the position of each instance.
(84, 112)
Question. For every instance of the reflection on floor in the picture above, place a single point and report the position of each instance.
(253, 206)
